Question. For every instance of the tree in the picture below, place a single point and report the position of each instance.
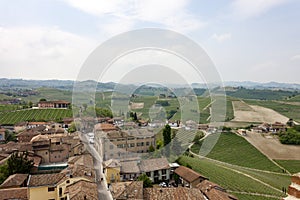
(9, 136)
(151, 148)
(72, 128)
(43, 99)
(146, 180)
(85, 106)
(30, 104)
(167, 134)
(167, 139)
(19, 163)
(135, 118)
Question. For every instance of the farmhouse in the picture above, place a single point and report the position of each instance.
(294, 188)
(189, 177)
(53, 104)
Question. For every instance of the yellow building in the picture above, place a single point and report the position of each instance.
(112, 170)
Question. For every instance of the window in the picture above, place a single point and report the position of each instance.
(51, 189)
(142, 143)
(60, 192)
(147, 143)
(163, 171)
(131, 145)
(68, 181)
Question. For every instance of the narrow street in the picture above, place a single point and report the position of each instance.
(103, 192)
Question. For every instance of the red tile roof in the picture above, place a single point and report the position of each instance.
(45, 179)
(82, 190)
(14, 193)
(178, 193)
(14, 180)
(187, 174)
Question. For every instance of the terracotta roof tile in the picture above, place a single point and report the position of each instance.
(82, 189)
(14, 180)
(178, 193)
(187, 174)
(154, 164)
(214, 191)
(127, 190)
(45, 179)
(14, 193)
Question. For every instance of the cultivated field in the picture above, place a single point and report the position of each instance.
(34, 115)
(250, 113)
(273, 148)
(235, 180)
(233, 149)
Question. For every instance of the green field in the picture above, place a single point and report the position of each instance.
(6, 108)
(233, 149)
(50, 94)
(291, 111)
(293, 166)
(252, 197)
(34, 115)
(229, 179)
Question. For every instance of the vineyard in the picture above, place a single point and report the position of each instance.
(14, 117)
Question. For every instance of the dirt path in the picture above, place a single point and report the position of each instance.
(249, 113)
(272, 148)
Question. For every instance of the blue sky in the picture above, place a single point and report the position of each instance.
(248, 40)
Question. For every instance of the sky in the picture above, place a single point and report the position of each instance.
(247, 40)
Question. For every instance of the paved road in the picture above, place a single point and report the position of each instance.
(103, 192)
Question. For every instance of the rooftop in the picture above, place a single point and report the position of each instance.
(178, 193)
(127, 190)
(14, 193)
(45, 179)
(14, 180)
(154, 164)
(82, 190)
(187, 174)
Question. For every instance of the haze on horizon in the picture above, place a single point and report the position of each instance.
(247, 40)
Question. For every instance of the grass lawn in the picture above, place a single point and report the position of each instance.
(234, 149)
(227, 178)
(293, 166)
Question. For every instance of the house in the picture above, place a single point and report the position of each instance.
(120, 144)
(27, 135)
(157, 169)
(189, 177)
(127, 190)
(278, 127)
(176, 193)
(294, 188)
(112, 170)
(130, 170)
(44, 186)
(105, 127)
(54, 104)
(15, 181)
(213, 191)
(20, 126)
(50, 148)
(77, 181)
(81, 189)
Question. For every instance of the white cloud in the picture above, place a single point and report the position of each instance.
(173, 15)
(42, 52)
(253, 8)
(295, 57)
(221, 37)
